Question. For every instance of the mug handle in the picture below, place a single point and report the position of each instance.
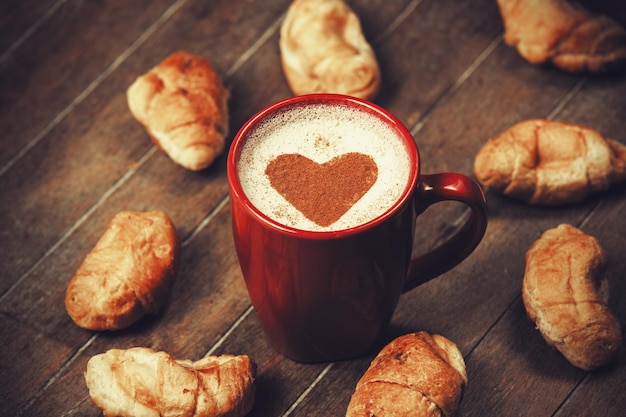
(435, 188)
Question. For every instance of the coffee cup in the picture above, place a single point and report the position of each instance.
(325, 190)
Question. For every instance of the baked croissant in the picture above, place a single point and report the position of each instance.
(417, 374)
(563, 33)
(566, 297)
(128, 274)
(183, 106)
(545, 162)
(140, 382)
(323, 50)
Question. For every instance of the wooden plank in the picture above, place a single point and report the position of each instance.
(601, 104)
(609, 381)
(447, 76)
(157, 183)
(150, 185)
(208, 296)
(18, 18)
(429, 50)
(526, 367)
(98, 145)
(512, 369)
(25, 353)
(54, 66)
(50, 313)
(503, 89)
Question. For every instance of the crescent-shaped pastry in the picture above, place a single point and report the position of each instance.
(323, 50)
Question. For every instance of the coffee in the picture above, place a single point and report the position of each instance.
(323, 167)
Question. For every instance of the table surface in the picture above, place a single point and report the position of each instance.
(72, 156)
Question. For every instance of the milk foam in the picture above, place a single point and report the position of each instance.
(321, 132)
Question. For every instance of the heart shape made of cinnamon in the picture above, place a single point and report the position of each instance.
(322, 192)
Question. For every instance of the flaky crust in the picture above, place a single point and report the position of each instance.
(545, 162)
(140, 382)
(565, 296)
(127, 275)
(563, 33)
(184, 107)
(416, 375)
(323, 50)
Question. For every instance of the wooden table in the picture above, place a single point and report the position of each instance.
(72, 156)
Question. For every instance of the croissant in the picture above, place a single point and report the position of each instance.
(323, 50)
(416, 375)
(182, 103)
(563, 33)
(128, 274)
(140, 382)
(565, 295)
(545, 162)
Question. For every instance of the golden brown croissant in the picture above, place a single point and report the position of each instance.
(140, 382)
(323, 50)
(563, 33)
(565, 296)
(545, 162)
(416, 375)
(128, 274)
(183, 105)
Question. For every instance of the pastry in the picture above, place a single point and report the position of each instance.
(140, 382)
(323, 50)
(566, 295)
(563, 33)
(544, 162)
(416, 375)
(184, 107)
(127, 275)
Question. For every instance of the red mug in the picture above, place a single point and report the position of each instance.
(327, 295)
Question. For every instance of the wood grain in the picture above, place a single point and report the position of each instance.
(72, 157)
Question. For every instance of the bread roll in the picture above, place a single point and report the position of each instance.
(323, 50)
(416, 375)
(184, 107)
(127, 275)
(544, 162)
(140, 382)
(563, 33)
(566, 297)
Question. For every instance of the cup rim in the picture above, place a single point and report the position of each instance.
(237, 191)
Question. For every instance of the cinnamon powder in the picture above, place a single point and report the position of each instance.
(322, 192)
